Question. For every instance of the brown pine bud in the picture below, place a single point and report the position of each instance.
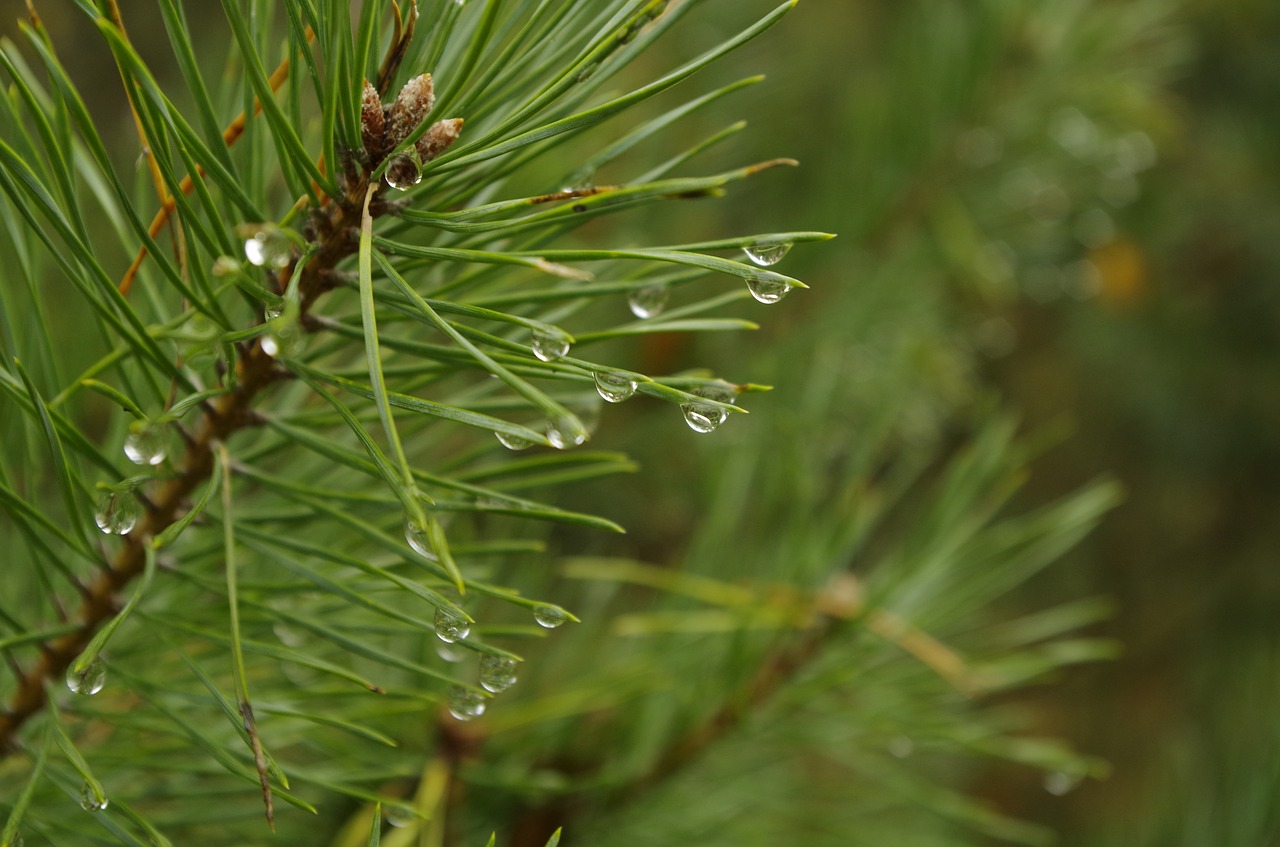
(372, 122)
(438, 138)
(411, 108)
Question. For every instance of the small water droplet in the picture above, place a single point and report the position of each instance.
(648, 302)
(147, 443)
(565, 431)
(512, 442)
(550, 344)
(768, 287)
(765, 253)
(267, 246)
(614, 387)
(89, 680)
(418, 539)
(89, 800)
(117, 512)
(403, 172)
(549, 616)
(497, 673)
(285, 338)
(901, 746)
(450, 653)
(465, 704)
(703, 417)
(588, 71)
(272, 311)
(450, 627)
(1059, 783)
(224, 266)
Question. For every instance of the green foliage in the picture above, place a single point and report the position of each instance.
(308, 371)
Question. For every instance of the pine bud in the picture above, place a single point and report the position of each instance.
(373, 121)
(411, 108)
(438, 138)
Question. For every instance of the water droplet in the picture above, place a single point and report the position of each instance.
(465, 704)
(550, 344)
(225, 266)
(450, 653)
(765, 253)
(147, 443)
(418, 539)
(565, 431)
(703, 417)
(512, 442)
(89, 680)
(768, 287)
(403, 172)
(117, 512)
(614, 387)
(89, 800)
(267, 246)
(901, 746)
(285, 338)
(1059, 783)
(587, 72)
(497, 673)
(549, 616)
(648, 302)
(450, 627)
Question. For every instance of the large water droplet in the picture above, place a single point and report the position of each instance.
(418, 539)
(267, 246)
(465, 704)
(89, 800)
(403, 171)
(89, 680)
(768, 287)
(497, 673)
(614, 387)
(648, 302)
(703, 417)
(550, 344)
(549, 616)
(565, 431)
(512, 442)
(117, 512)
(765, 253)
(450, 627)
(147, 443)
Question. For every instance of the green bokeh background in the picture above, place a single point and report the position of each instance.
(1146, 335)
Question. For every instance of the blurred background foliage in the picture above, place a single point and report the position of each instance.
(1057, 217)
